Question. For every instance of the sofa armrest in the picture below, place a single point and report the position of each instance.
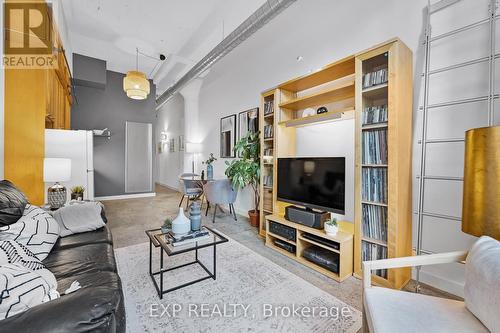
(423, 260)
(85, 310)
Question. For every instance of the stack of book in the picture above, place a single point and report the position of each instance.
(268, 107)
(375, 147)
(375, 252)
(190, 237)
(374, 184)
(375, 78)
(375, 222)
(268, 131)
(375, 114)
(267, 180)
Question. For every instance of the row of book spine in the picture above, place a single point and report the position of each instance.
(375, 222)
(267, 180)
(268, 131)
(375, 114)
(268, 152)
(375, 252)
(375, 147)
(375, 78)
(374, 184)
(268, 107)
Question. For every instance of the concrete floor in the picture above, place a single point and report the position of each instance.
(129, 218)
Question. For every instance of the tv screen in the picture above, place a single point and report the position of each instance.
(313, 182)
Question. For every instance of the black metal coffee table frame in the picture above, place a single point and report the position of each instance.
(195, 247)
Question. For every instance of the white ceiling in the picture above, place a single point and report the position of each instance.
(183, 30)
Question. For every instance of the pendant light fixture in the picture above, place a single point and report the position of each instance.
(135, 84)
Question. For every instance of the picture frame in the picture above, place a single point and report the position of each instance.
(248, 121)
(227, 136)
(172, 145)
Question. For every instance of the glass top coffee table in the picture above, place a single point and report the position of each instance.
(158, 240)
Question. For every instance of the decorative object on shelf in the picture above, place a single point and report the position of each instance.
(56, 170)
(195, 215)
(181, 143)
(167, 226)
(246, 170)
(331, 227)
(210, 168)
(481, 193)
(77, 193)
(321, 110)
(227, 136)
(194, 149)
(181, 224)
(308, 112)
(171, 145)
(248, 122)
(135, 83)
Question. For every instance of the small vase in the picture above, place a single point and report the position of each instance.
(210, 172)
(195, 216)
(181, 225)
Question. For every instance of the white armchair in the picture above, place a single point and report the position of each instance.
(387, 310)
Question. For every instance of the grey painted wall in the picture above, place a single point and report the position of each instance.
(88, 71)
(110, 107)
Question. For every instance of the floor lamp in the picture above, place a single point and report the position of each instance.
(481, 197)
(193, 148)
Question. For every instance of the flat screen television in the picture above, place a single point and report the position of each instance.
(313, 182)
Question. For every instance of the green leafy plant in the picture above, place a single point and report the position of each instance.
(167, 223)
(210, 160)
(78, 189)
(245, 171)
(332, 222)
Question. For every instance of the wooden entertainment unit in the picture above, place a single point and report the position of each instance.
(374, 89)
(344, 238)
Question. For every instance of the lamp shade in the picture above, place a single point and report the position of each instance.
(56, 170)
(481, 197)
(136, 85)
(194, 148)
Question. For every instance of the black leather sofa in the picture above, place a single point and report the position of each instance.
(97, 307)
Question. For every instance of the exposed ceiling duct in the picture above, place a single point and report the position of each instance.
(257, 20)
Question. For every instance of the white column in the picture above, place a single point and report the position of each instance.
(191, 94)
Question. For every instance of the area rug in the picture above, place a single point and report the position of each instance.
(250, 294)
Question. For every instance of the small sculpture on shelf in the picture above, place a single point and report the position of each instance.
(210, 168)
(331, 227)
(321, 110)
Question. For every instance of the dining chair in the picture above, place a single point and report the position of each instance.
(190, 188)
(220, 192)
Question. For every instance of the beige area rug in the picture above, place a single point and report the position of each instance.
(250, 294)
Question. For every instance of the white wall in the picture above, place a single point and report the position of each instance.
(322, 31)
(170, 119)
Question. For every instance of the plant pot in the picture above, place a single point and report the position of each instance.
(77, 196)
(331, 230)
(254, 217)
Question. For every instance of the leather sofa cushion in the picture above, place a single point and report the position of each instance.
(90, 258)
(102, 235)
(90, 280)
(389, 310)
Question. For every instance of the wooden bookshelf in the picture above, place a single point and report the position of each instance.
(396, 93)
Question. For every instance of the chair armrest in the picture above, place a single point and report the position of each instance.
(423, 260)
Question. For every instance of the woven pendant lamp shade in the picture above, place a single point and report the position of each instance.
(136, 85)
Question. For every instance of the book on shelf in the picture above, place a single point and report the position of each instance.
(190, 237)
(268, 131)
(374, 222)
(268, 107)
(375, 114)
(267, 180)
(374, 144)
(375, 78)
(372, 251)
(374, 184)
(268, 152)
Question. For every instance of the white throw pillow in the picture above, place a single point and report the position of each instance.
(22, 288)
(482, 282)
(36, 229)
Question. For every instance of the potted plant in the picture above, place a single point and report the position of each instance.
(210, 168)
(77, 193)
(245, 171)
(331, 227)
(167, 226)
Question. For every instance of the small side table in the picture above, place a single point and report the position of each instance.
(158, 240)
